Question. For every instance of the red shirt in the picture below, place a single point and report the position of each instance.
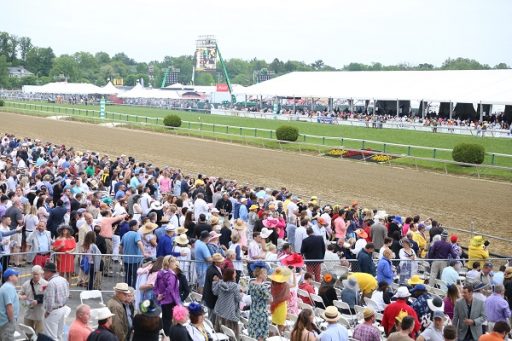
(310, 289)
(392, 311)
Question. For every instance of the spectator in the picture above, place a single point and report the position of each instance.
(393, 309)
(365, 259)
(260, 295)
(9, 305)
(65, 245)
(227, 307)
(166, 290)
(213, 274)
(496, 307)
(477, 250)
(313, 248)
(421, 306)
(307, 285)
(280, 291)
(305, 328)
(385, 268)
(379, 232)
(104, 332)
(408, 265)
(350, 295)
(326, 290)
(382, 296)
(499, 332)
(366, 282)
(468, 315)
(450, 275)
(148, 323)
(79, 329)
(451, 298)
(407, 327)
(179, 330)
(450, 333)
(131, 244)
(367, 331)
(117, 305)
(334, 330)
(32, 293)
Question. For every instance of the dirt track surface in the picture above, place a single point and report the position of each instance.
(454, 201)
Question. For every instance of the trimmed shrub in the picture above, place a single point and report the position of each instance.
(172, 121)
(287, 133)
(2, 103)
(468, 153)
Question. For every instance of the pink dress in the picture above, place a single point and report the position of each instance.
(165, 185)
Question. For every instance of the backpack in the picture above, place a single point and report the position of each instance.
(84, 264)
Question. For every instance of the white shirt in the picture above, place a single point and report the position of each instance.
(300, 235)
(200, 207)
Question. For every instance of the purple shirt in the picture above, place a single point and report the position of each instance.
(167, 284)
(441, 249)
(496, 308)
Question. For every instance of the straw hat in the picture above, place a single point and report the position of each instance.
(181, 230)
(280, 275)
(217, 258)
(214, 220)
(156, 206)
(368, 312)
(331, 314)
(239, 225)
(122, 287)
(148, 228)
(415, 279)
(253, 208)
(181, 239)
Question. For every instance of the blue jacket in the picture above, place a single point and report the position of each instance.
(366, 263)
(165, 246)
(385, 271)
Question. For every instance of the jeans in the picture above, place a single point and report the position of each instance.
(130, 273)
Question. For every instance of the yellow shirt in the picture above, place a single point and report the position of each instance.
(422, 243)
(367, 283)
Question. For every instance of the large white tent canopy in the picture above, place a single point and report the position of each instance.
(63, 88)
(138, 91)
(466, 86)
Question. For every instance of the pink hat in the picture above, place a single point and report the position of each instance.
(271, 222)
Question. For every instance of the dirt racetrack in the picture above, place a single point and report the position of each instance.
(452, 200)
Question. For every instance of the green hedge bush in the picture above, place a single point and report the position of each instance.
(2, 103)
(468, 153)
(287, 133)
(172, 121)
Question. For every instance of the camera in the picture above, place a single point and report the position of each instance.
(39, 298)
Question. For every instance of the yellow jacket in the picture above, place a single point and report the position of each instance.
(422, 243)
(476, 250)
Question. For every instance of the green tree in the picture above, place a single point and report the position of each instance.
(102, 58)
(122, 57)
(204, 78)
(318, 65)
(65, 67)
(4, 73)
(501, 66)
(277, 66)
(40, 60)
(355, 67)
(463, 64)
(8, 46)
(25, 45)
(87, 66)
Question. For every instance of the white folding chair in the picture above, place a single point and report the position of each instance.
(319, 312)
(344, 306)
(344, 322)
(301, 293)
(247, 338)
(359, 309)
(91, 295)
(229, 332)
(196, 297)
(372, 304)
(27, 332)
(317, 299)
(274, 330)
(303, 306)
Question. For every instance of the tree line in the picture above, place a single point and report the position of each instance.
(99, 67)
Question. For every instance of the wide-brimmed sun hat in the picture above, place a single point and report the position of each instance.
(65, 227)
(260, 264)
(102, 313)
(435, 304)
(156, 206)
(281, 275)
(122, 287)
(271, 222)
(415, 279)
(265, 233)
(181, 239)
(239, 225)
(217, 257)
(295, 259)
(181, 230)
(331, 314)
(148, 228)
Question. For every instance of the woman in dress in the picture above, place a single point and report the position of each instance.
(227, 307)
(408, 265)
(185, 257)
(167, 290)
(94, 259)
(260, 295)
(42, 211)
(305, 328)
(280, 291)
(449, 301)
(65, 244)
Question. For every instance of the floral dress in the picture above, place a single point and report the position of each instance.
(258, 318)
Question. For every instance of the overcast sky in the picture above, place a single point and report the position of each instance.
(338, 32)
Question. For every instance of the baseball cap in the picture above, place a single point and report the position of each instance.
(9, 272)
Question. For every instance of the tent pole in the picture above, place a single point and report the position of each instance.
(451, 110)
(374, 105)
(481, 112)
(351, 106)
(294, 105)
(397, 108)
(422, 103)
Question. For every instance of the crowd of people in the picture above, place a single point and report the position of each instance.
(203, 255)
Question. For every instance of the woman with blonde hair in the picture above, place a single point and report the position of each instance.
(280, 290)
(260, 295)
(167, 290)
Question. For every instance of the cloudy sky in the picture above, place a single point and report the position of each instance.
(338, 32)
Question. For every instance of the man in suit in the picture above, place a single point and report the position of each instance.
(56, 218)
(313, 247)
(213, 274)
(468, 315)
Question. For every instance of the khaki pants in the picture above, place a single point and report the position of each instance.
(36, 325)
(7, 331)
(107, 260)
(437, 268)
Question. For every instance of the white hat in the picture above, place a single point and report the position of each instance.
(170, 227)
(102, 313)
(402, 292)
(156, 205)
(265, 233)
(122, 287)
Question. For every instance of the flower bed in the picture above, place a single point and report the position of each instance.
(336, 152)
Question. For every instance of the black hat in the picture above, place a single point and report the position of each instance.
(50, 267)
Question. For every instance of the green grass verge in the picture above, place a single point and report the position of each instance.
(247, 134)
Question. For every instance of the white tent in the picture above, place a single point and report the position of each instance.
(110, 89)
(465, 86)
(69, 88)
(138, 91)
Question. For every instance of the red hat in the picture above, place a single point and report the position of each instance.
(295, 260)
(454, 238)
